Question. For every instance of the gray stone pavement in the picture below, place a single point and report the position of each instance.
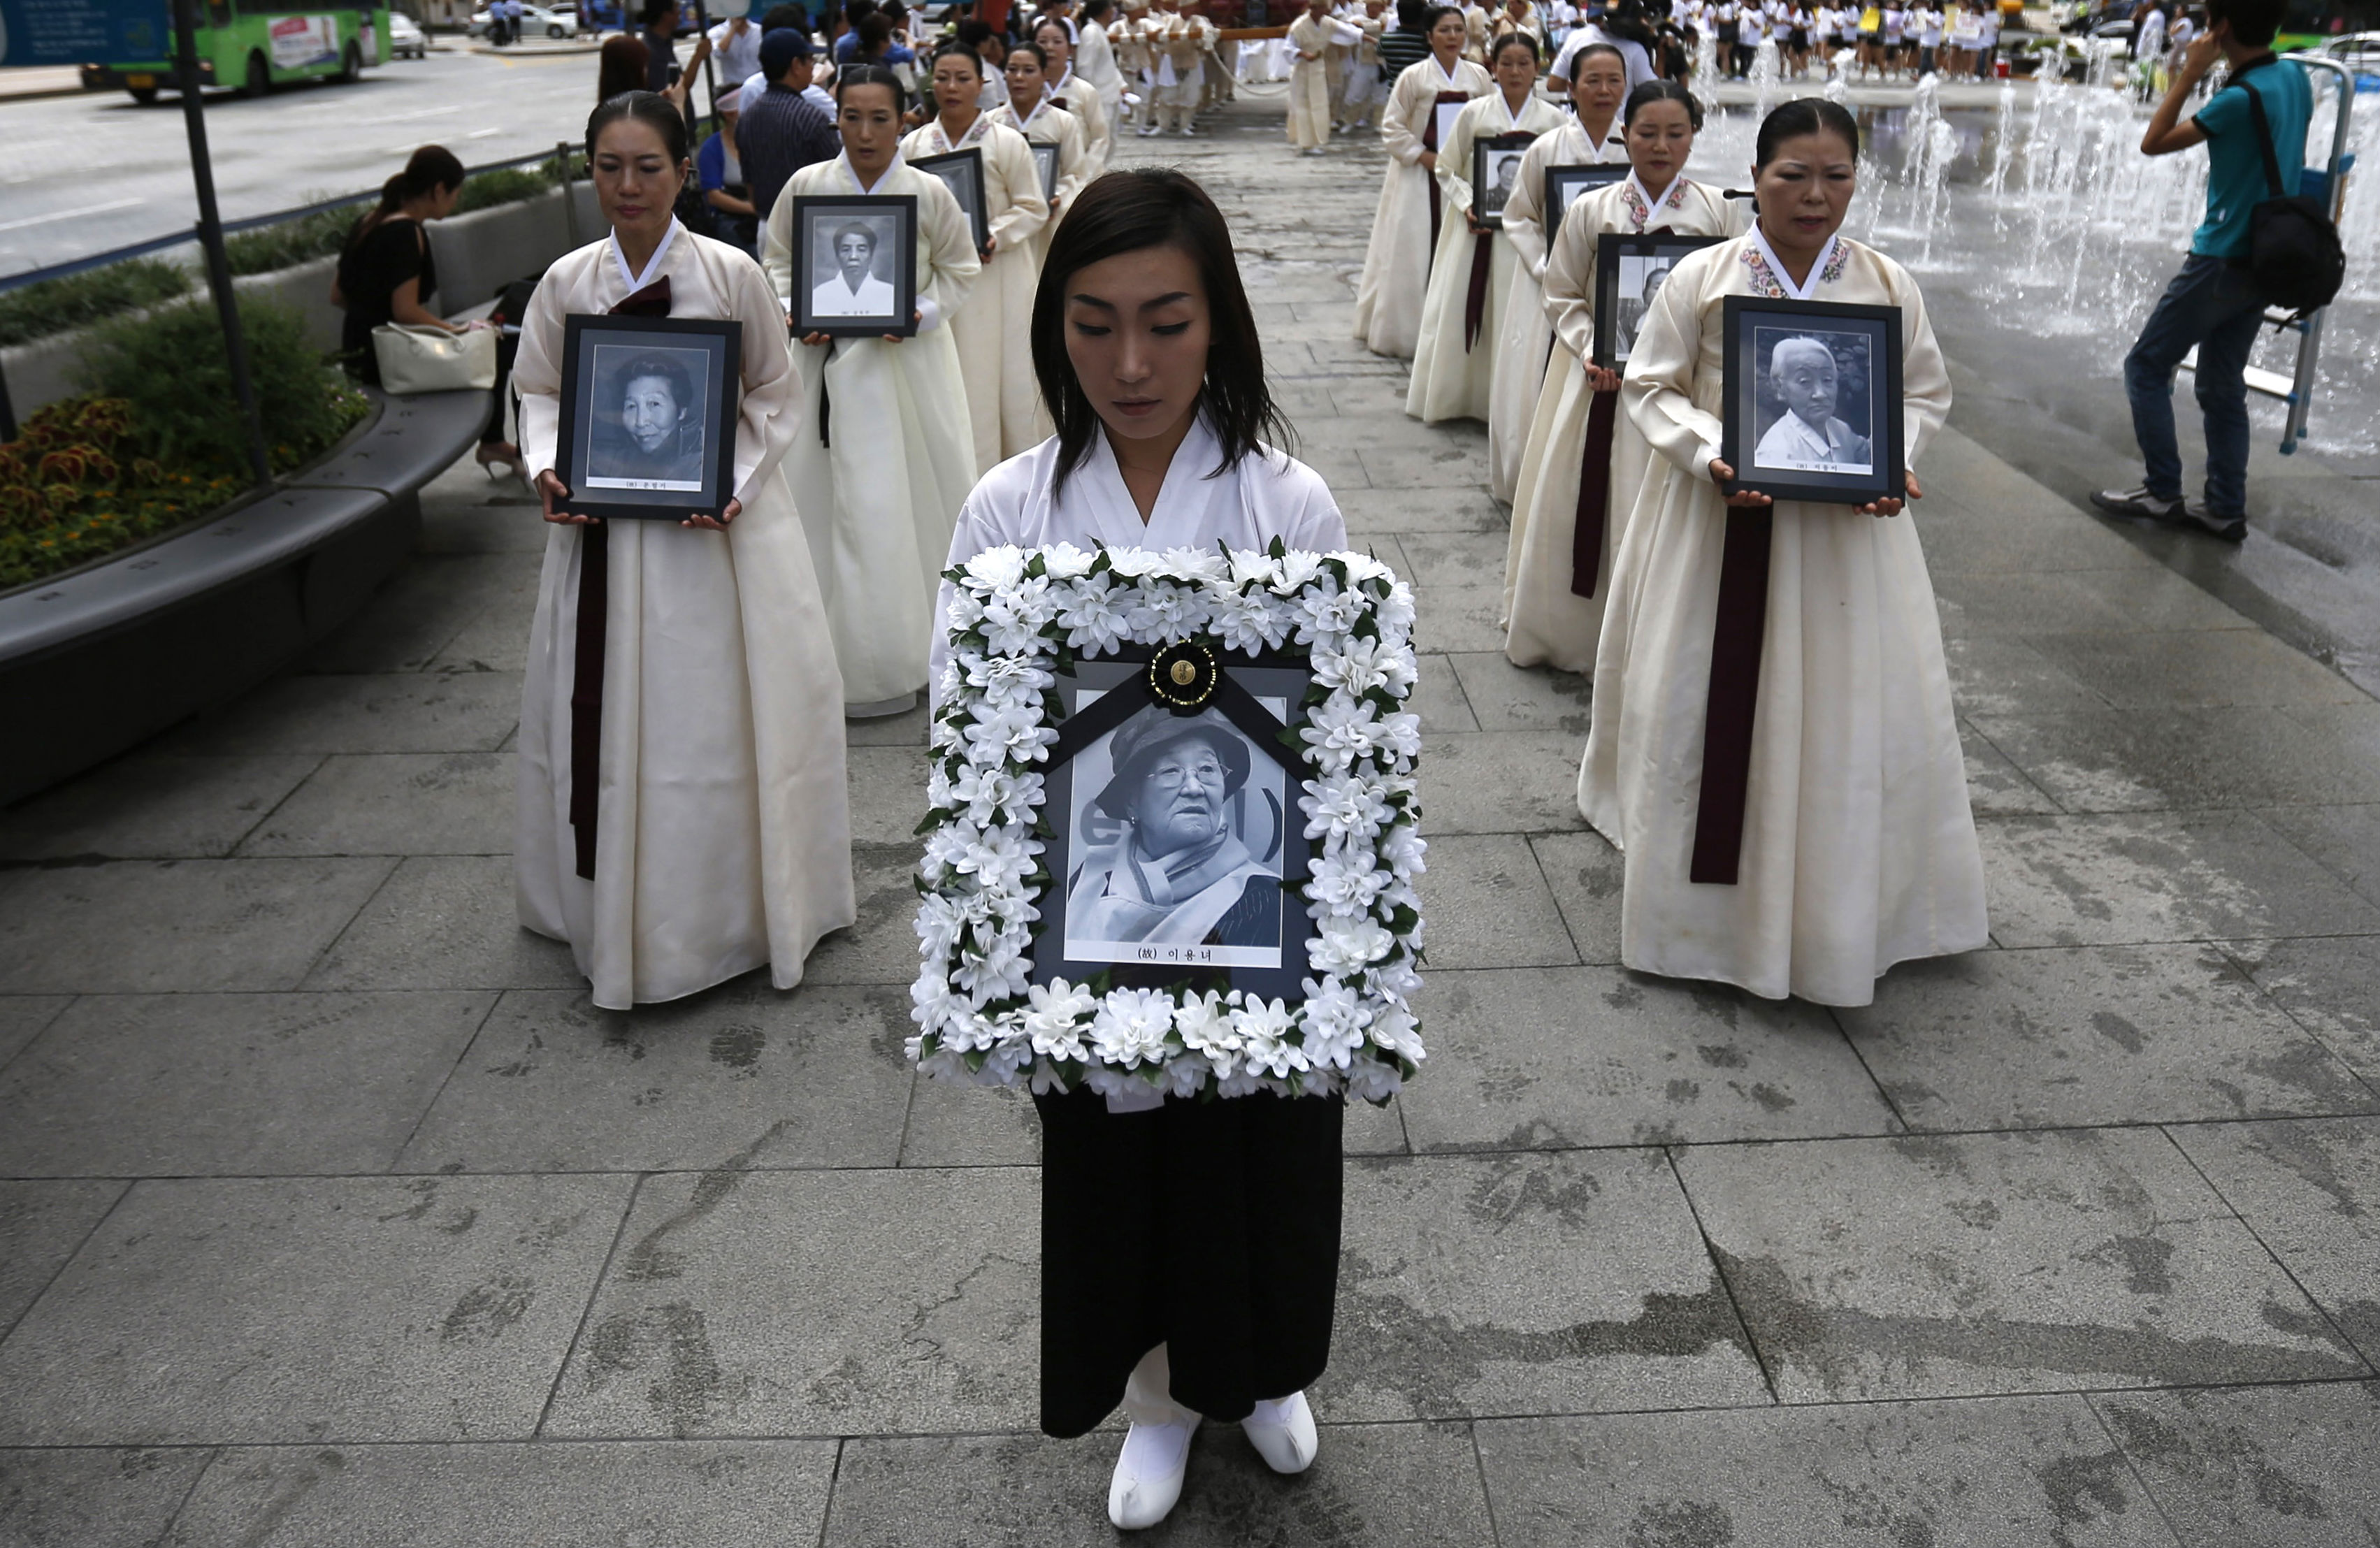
(331, 1212)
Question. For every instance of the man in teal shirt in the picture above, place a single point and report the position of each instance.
(2213, 304)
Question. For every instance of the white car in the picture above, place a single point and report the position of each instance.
(406, 38)
(534, 21)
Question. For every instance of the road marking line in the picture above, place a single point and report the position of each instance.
(70, 214)
(483, 134)
(409, 118)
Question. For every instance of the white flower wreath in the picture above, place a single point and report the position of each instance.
(1017, 617)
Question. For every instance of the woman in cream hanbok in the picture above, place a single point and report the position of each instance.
(1309, 78)
(884, 451)
(1033, 113)
(992, 330)
(1555, 587)
(1591, 137)
(1224, 1310)
(1071, 94)
(1405, 224)
(681, 813)
(1454, 366)
(1782, 769)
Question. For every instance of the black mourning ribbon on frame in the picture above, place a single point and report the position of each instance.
(1119, 704)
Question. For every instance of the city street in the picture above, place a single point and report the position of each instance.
(90, 172)
(333, 1214)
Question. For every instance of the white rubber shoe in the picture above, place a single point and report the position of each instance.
(1284, 1434)
(1149, 1473)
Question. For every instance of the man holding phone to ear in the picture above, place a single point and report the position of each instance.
(2213, 304)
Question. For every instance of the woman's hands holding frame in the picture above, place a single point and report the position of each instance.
(1752, 499)
(550, 489)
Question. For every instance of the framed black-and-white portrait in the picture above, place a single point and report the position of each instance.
(858, 270)
(1564, 183)
(1812, 408)
(1045, 161)
(962, 173)
(1177, 839)
(648, 409)
(1630, 271)
(1494, 167)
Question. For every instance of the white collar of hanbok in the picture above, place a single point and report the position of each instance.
(1026, 121)
(1828, 264)
(1614, 138)
(1190, 506)
(1643, 207)
(1454, 76)
(976, 129)
(653, 265)
(1511, 116)
(844, 161)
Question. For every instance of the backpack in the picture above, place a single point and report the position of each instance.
(2294, 253)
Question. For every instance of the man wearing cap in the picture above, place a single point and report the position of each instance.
(782, 132)
(1177, 875)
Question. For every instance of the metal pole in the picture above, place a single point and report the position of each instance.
(8, 412)
(210, 236)
(709, 80)
(569, 194)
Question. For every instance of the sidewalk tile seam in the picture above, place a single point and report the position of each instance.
(66, 1260)
(2303, 1024)
(461, 1054)
(1718, 1269)
(65, 1003)
(1487, 1495)
(2030, 783)
(198, 1476)
(2133, 1466)
(594, 1290)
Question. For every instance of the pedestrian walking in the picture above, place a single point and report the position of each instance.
(886, 452)
(1148, 355)
(1405, 223)
(782, 132)
(1820, 832)
(1584, 461)
(2214, 306)
(735, 48)
(682, 814)
(992, 328)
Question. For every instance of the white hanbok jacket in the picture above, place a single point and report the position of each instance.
(993, 329)
(1397, 259)
(1521, 353)
(1859, 845)
(722, 828)
(1451, 378)
(882, 488)
(1051, 125)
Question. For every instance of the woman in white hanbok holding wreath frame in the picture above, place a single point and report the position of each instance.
(992, 327)
(1405, 224)
(1591, 135)
(885, 449)
(681, 814)
(1782, 769)
(1454, 359)
(1554, 592)
(1145, 346)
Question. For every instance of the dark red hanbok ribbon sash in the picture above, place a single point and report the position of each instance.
(1430, 143)
(1735, 695)
(1475, 303)
(587, 653)
(1593, 496)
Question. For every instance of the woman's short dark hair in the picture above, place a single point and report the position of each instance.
(1514, 40)
(871, 75)
(624, 64)
(1578, 60)
(1094, 10)
(1040, 54)
(973, 32)
(955, 51)
(1804, 115)
(652, 109)
(1440, 13)
(1131, 211)
(1648, 92)
(432, 167)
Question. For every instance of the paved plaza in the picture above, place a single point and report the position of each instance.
(334, 1215)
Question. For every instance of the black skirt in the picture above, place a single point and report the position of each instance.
(1211, 1228)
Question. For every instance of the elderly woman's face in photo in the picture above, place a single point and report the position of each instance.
(1180, 801)
(1804, 374)
(1653, 278)
(854, 250)
(650, 411)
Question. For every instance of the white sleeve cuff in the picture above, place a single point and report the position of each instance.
(930, 316)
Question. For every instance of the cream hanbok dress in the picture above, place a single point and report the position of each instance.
(1454, 366)
(1310, 91)
(993, 330)
(1081, 100)
(884, 451)
(1051, 125)
(1858, 846)
(1548, 623)
(719, 837)
(1397, 257)
(1521, 353)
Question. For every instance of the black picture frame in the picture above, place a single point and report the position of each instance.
(1494, 157)
(613, 366)
(1623, 263)
(1565, 183)
(1863, 346)
(817, 219)
(1045, 161)
(1263, 814)
(962, 173)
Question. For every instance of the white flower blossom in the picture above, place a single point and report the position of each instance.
(1171, 614)
(1207, 1029)
(1362, 567)
(1095, 614)
(1251, 622)
(1184, 1075)
(1400, 735)
(1252, 567)
(1131, 1026)
(1402, 849)
(1340, 731)
(1394, 1030)
(1370, 1080)
(1009, 736)
(1344, 946)
(1206, 566)
(1297, 570)
(966, 611)
(996, 569)
(1055, 1018)
(1064, 562)
(1133, 563)
(1264, 1028)
(1325, 615)
(1335, 1019)
(1344, 882)
(1014, 617)
(1008, 682)
(1364, 665)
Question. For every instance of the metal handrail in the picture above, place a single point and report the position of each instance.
(252, 223)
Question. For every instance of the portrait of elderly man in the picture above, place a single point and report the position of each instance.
(853, 290)
(1628, 317)
(658, 436)
(1177, 873)
(1809, 437)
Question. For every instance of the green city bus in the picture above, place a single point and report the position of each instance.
(258, 44)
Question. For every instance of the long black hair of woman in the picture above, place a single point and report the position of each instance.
(1127, 212)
